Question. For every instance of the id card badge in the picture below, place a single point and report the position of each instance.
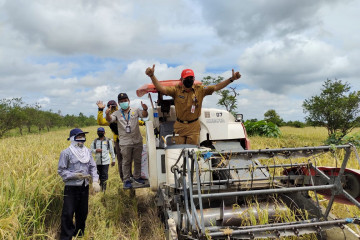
(193, 108)
(127, 129)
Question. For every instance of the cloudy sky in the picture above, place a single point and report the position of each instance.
(68, 54)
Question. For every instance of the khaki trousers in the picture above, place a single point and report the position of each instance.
(131, 153)
(119, 159)
(189, 133)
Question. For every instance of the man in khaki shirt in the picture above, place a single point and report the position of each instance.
(188, 100)
(131, 144)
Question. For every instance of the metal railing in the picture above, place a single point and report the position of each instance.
(192, 212)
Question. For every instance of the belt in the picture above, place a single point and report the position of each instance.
(186, 121)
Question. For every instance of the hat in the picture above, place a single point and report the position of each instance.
(187, 73)
(111, 103)
(122, 96)
(75, 132)
(101, 129)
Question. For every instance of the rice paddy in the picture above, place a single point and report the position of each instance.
(31, 190)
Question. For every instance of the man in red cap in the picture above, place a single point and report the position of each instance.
(188, 101)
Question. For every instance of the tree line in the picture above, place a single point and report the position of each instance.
(15, 114)
(336, 108)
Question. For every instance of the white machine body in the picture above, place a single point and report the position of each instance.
(216, 126)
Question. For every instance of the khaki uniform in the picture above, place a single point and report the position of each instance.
(131, 144)
(188, 108)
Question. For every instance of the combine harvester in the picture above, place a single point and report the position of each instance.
(225, 190)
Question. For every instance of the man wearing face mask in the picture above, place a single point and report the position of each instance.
(188, 100)
(131, 143)
(102, 147)
(76, 167)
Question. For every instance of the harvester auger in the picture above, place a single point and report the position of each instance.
(223, 190)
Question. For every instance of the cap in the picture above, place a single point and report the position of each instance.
(122, 96)
(187, 73)
(111, 103)
(75, 132)
(101, 129)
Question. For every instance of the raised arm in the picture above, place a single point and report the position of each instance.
(226, 82)
(151, 73)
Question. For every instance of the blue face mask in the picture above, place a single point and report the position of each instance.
(124, 105)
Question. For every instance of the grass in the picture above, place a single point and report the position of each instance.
(31, 195)
(31, 190)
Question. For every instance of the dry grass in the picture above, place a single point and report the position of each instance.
(31, 190)
(31, 195)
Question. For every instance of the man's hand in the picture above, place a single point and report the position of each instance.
(96, 187)
(100, 104)
(150, 71)
(144, 106)
(99, 150)
(113, 164)
(235, 76)
(108, 111)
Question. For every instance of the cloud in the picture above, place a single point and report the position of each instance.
(236, 21)
(77, 52)
(281, 65)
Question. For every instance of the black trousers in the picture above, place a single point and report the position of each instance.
(76, 199)
(103, 171)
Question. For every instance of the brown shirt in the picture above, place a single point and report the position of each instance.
(184, 101)
(134, 137)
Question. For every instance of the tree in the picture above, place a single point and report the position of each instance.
(228, 97)
(335, 110)
(272, 116)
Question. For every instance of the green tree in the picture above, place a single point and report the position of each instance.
(272, 116)
(336, 108)
(227, 96)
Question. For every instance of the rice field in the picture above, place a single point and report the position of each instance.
(31, 190)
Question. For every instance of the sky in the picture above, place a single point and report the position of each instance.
(66, 55)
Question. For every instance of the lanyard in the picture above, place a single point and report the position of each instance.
(127, 121)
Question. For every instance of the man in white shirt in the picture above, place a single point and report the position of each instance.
(103, 147)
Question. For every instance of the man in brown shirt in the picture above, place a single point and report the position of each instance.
(131, 144)
(188, 101)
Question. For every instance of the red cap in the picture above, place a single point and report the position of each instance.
(187, 73)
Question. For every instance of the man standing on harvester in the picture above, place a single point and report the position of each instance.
(131, 143)
(188, 101)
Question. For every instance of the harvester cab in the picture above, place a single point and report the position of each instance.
(224, 190)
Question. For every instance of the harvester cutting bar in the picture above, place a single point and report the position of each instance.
(257, 166)
(293, 227)
(265, 191)
(253, 179)
(280, 152)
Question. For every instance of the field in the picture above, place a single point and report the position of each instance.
(31, 190)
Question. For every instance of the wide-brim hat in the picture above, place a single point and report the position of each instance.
(76, 131)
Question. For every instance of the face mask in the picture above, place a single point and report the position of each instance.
(124, 105)
(188, 82)
(80, 140)
(101, 135)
